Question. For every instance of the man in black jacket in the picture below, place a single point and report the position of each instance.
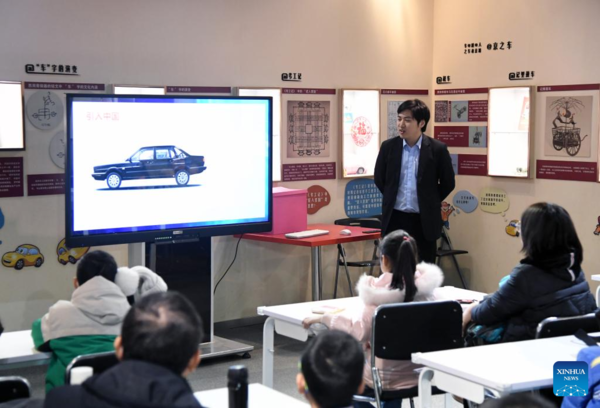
(158, 348)
(414, 173)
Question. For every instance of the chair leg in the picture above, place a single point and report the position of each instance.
(348, 277)
(337, 272)
(412, 403)
(462, 279)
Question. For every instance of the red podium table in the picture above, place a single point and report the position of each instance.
(315, 243)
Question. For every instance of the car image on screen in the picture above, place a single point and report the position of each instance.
(152, 162)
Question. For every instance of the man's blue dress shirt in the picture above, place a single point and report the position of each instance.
(406, 200)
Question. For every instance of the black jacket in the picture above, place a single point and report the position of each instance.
(435, 180)
(129, 384)
(533, 293)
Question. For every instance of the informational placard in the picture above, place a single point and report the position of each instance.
(317, 198)
(308, 171)
(362, 199)
(45, 184)
(508, 132)
(12, 136)
(360, 132)
(462, 136)
(465, 201)
(566, 170)
(453, 136)
(64, 86)
(199, 89)
(308, 128)
(472, 164)
(11, 177)
(478, 111)
(493, 200)
(307, 91)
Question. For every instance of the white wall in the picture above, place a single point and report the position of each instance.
(555, 39)
(334, 43)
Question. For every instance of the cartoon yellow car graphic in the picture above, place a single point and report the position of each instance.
(72, 255)
(513, 228)
(24, 255)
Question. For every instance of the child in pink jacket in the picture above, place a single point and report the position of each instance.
(402, 280)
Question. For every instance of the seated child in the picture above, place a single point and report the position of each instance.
(331, 370)
(91, 320)
(402, 280)
(548, 282)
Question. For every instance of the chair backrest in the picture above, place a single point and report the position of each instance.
(565, 326)
(360, 222)
(12, 388)
(400, 329)
(99, 362)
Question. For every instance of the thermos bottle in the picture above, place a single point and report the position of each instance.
(237, 382)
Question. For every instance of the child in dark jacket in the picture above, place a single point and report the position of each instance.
(548, 282)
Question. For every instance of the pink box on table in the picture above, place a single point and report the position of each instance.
(289, 210)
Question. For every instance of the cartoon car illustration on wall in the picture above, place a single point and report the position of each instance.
(24, 255)
(513, 228)
(72, 255)
(152, 162)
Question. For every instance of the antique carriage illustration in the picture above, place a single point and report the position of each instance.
(565, 134)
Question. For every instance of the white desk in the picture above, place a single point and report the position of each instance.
(17, 350)
(259, 396)
(286, 320)
(501, 368)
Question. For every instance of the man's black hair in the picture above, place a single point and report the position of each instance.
(163, 329)
(332, 365)
(96, 263)
(419, 111)
(547, 231)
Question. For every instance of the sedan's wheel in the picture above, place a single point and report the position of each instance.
(39, 262)
(19, 264)
(361, 170)
(113, 180)
(182, 177)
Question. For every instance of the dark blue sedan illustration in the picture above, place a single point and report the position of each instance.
(152, 162)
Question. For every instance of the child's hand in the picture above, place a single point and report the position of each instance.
(306, 323)
(467, 315)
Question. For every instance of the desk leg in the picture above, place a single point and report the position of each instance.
(425, 388)
(315, 257)
(268, 351)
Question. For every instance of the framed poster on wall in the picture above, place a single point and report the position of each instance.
(274, 93)
(509, 132)
(12, 136)
(360, 131)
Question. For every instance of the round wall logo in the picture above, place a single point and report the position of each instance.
(570, 378)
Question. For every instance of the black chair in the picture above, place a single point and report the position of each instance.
(12, 388)
(565, 326)
(374, 223)
(446, 249)
(98, 361)
(401, 329)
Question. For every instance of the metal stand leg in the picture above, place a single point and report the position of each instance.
(462, 279)
(268, 351)
(315, 255)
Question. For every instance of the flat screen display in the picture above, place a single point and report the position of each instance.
(163, 168)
